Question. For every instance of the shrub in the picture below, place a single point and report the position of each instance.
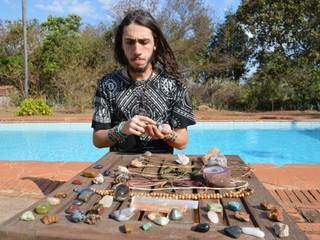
(32, 106)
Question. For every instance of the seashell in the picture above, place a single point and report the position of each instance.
(123, 214)
(253, 231)
(49, 219)
(122, 169)
(213, 217)
(99, 179)
(53, 201)
(106, 201)
(27, 216)
(182, 159)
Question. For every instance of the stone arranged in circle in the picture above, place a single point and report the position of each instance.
(201, 227)
(233, 231)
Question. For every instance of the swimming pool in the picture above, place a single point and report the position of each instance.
(255, 142)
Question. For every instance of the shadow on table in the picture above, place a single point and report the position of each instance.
(46, 185)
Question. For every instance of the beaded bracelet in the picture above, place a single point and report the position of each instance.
(115, 135)
(172, 137)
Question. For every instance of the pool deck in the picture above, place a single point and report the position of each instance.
(24, 182)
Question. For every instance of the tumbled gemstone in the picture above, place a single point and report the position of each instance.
(123, 214)
(71, 209)
(275, 215)
(253, 231)
(234, 205)
(85, 195)
(53, 200)
(106, 173)
(60, 195)
(214, 206)
(121, 192)
(43, 208)
(146, 226)
(89, 173)
(233, 231)
(49, 219)
(281, 229)
(99, 166)
(242, 216)
(213, 217)
(77, 216)
(175, 214)
(79, 189)
(201, 227)
(162, 221)
(77, 202)
(77, 182)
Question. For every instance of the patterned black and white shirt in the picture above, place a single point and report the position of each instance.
(162, 98)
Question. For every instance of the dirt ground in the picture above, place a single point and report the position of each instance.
(205, 113)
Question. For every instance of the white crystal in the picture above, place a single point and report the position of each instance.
(27, 216)
(106, 201)
(281, 229)
(213, 217)
(123, 214)
(182, 159)
(53, 200)
(99, 179)
(217, 159)
(257, 232)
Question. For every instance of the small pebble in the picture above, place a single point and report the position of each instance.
(43, 208)
(281, 229)
(234, 205)
(201, 227)
(233, 231)
(146, 226)
(99, 166)
(27, 216)
(253, 231)
(53, 201)
(213, 217)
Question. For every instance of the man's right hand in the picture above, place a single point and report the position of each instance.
(136, 125)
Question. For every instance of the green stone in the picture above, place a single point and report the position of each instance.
(146, 226)
(43, 208)
(214, 206)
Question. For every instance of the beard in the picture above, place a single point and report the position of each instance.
(140, 69)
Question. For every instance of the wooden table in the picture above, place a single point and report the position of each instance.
(110, 229)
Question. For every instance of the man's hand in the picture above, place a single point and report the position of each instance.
(137, 125)
(160, 132)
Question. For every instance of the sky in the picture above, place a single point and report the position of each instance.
(91, 12)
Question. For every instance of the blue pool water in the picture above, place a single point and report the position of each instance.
(255, 142)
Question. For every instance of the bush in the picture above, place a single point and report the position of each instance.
(32, 106)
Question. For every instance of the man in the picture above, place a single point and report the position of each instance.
(143, 106)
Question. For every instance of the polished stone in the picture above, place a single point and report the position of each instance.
(162, 221)
(175, 214)
(79, 189)
(71, 209)
(275, 215)
(99, 166)
(77, 182)
(85, 195)
(234, 205)
(77, 202)
(89, 173)
(61, 195)
(146, 226)
(253, 231)
(213, 217)
(50, 219)
(215, 206)
(99, 179)
(233, 231)
(77, 216)
(53, 201)
(43, 208)
(201, 227)
(121, 192)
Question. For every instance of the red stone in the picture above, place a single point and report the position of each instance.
(71, 208)
(275, 215)
(77, 182)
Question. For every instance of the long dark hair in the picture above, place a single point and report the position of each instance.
(163, 54)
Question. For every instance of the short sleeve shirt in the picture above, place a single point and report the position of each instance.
(162, 98)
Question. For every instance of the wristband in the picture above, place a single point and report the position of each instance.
(172, 137)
